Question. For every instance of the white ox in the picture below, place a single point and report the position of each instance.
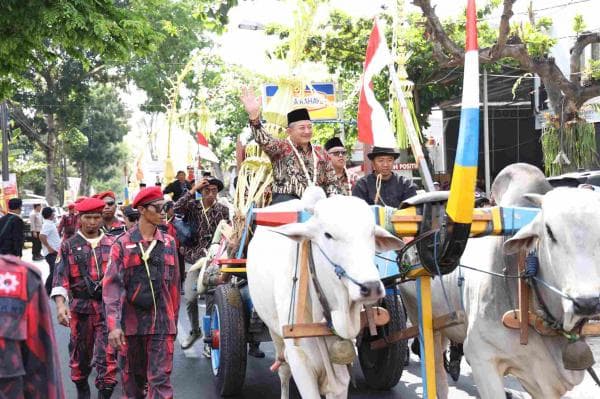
(567, 235)
(344, 228)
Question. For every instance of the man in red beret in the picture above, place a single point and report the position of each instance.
(141, 298)
(111, 225)
(78, 276)
(68, 223)
(29, 362)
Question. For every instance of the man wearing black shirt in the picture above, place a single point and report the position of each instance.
(178, 187)
(12, 236)
(383, 186)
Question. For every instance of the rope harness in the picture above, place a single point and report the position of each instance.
(339, 271)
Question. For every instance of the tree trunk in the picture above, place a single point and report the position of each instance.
(50, 189)
(84, 186)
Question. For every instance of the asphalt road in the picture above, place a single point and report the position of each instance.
(192, 375)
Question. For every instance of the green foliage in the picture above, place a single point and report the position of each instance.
(578, 24)
(35, 32)
(593, 69)
(103, 126)
(538, 41)
(183, 26)
(577, 141)
(74, 141)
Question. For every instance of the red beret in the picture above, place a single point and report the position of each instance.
(147, 195)
(90, 205)
(71, 205)
(105, 194)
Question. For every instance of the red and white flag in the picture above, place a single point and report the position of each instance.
(374, 127)
(204, 150)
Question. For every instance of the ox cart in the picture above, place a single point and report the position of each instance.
(230, 322)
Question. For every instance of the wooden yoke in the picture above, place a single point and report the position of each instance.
(303, 325)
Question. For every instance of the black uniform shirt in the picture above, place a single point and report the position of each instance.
(393, 191)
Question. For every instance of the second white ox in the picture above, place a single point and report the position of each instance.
(566, 234)
(341, 231)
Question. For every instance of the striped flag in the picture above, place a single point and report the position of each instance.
(374, 127)
(204, 150)
(462, 189)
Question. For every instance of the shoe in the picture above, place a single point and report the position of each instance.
(83, 390)
(190, 339)
(206, 351)
(254, 350)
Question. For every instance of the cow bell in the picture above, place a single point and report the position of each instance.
(577, 355)
(342, 352)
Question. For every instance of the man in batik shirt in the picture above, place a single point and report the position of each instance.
(83, 262)
(297, 164)
(29, 364)
(141, 298)
(203, 217)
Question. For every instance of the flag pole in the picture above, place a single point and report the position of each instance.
(413, 137)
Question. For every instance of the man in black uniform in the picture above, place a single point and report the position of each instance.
(12, 236)
(383, 186)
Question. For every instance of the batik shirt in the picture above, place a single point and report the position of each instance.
(288, 174)
(207, 221)
(29, 364)
(140, 298)
(68, 278)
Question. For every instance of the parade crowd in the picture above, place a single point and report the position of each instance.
(117, 276)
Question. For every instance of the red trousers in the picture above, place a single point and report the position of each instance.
(88, 347)
(148, 359)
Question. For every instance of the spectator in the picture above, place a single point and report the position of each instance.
(12, 235)
(68, 223)
(35, 221)
(178, 187)
(50, 240)
(203, 216)
(131, 217)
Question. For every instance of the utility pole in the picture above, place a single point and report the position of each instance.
(4, 127)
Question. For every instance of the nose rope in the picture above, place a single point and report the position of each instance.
(339, 270)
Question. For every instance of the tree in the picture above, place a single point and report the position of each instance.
(528, 44)
(101, 156)
(36, 32)
(53, 105)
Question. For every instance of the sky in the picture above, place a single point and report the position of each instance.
(248, 48)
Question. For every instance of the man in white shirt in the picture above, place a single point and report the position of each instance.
(35, 221)
(50, 243)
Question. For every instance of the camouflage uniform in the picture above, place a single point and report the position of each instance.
(29, 365)
(78, 276)
(146, 312)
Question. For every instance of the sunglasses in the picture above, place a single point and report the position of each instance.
(158, 206)
(109, 203)
(338, 153)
